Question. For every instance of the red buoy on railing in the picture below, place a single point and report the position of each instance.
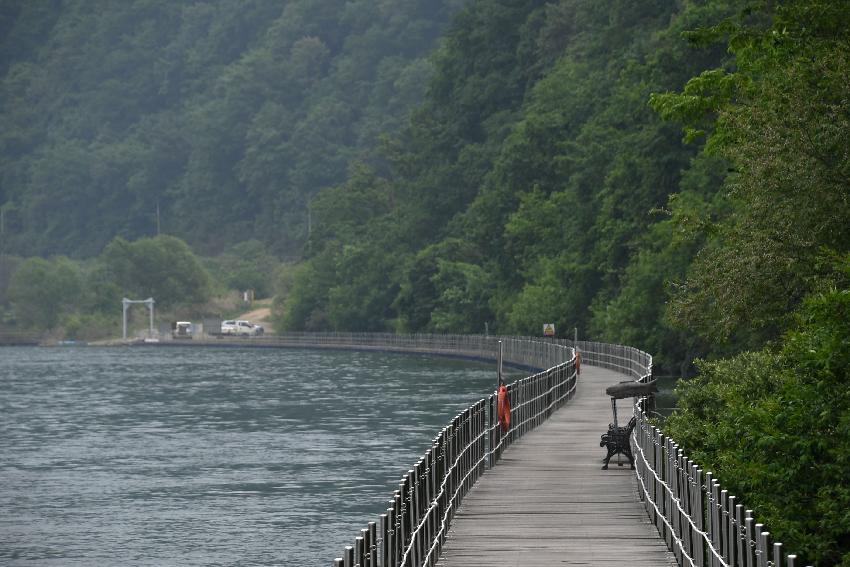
(504, 408)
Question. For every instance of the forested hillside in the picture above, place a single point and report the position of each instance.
(531, 186)
(668, 174)
(216, 121)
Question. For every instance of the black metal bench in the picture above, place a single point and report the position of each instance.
(617, 439)
(617, 442)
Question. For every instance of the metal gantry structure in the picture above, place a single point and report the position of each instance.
(126, 303)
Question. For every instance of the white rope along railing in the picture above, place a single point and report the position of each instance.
(414, 527)
(701, 523)
(533, 419)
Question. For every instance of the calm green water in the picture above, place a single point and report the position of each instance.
(203, 456)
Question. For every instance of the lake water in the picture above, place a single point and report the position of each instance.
(210, 456)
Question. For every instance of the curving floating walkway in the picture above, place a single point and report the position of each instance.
(548, 502)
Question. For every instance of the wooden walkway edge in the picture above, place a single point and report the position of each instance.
(548, 502)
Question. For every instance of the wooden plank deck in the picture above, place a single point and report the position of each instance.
(548, 502)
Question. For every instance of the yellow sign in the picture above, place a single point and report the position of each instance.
(548, 329)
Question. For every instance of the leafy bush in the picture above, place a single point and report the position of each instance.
(774, 426)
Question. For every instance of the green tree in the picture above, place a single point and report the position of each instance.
(43, 291)
(366, 284)
(637, 315)
(163, 267)
(8, 267)
(782, 122)
(435, 281)
(463, 294)
(302, 295)
(246, 265)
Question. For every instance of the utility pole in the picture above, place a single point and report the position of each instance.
(157, 217)
(499, 366)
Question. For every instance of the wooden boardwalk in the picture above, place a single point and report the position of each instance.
(548, 502)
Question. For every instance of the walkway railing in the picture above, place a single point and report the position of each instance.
(524, 352)
(414, 527)
(701, 522)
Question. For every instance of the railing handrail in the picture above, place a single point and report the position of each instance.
(414, 527)
(701, 523)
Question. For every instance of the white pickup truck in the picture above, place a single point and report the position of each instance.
(241, 328)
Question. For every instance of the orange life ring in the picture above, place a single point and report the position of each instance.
(504, 408)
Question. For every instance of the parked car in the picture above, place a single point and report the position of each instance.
(242, 328)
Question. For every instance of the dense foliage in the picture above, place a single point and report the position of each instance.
(523, 190)
(784, 123)
(213, 120)
(668, 174)
(773, 422)
(774, 426)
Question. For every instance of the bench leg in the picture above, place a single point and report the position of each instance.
(611, 452)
